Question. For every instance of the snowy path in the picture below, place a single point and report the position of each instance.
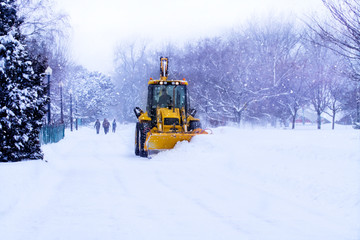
(234, 184)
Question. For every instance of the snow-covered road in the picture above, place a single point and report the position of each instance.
(234, 184)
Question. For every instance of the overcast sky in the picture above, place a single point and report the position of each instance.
(98, 25)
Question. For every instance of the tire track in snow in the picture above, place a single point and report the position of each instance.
(201, 203)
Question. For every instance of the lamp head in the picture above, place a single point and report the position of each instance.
(48, 71)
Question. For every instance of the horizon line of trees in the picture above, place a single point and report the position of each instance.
(261, 74)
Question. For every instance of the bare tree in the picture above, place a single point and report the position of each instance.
(344, 35)
(298, 94)
(40, 20)
(319, 76)
(337, 88)
(131, 75)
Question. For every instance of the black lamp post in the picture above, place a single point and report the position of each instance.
(358, 104)
(48, 72)
(61, 84)
(76, 118)
(71, 113)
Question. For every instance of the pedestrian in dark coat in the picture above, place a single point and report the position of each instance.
(106, 125)
(114, 126)
(97, 126)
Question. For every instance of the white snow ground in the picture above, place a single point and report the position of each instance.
(235, 184)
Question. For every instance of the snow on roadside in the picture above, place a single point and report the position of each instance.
(302, 180)
(233, 184)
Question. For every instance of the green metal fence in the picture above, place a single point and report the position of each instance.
(52, 133)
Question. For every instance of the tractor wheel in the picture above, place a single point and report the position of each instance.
(194, 125)
(144, 129)
(137, 134)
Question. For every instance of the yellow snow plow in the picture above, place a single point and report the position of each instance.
(168, 118)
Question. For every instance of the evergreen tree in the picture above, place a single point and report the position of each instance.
(22, 96)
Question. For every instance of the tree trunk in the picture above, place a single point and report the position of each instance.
(333, 119)
(294, 119)
(293, 122)
(238, 117)
(318, 120)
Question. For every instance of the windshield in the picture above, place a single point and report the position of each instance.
(166, 96)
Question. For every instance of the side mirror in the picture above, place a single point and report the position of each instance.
(192, 112)
(138, 112)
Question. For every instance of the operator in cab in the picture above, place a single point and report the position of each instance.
(164, 99)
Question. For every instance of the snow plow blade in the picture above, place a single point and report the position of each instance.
(163, 141)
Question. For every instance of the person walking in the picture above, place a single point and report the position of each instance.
(97, 126)
(106, 125)
(114, 126)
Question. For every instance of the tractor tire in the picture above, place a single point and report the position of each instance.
(194, 125)
(137, 134)
(144, 128)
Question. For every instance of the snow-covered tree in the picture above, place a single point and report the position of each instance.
(263, 73)
(45, 31)
(274, 48)
(242, 76)
(93, 94)
(22, 96)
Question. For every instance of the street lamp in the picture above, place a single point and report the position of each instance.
(48, 72)
(71, 113)
(61, 84)
(76, 118)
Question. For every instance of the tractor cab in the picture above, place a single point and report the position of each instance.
(167, 94)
